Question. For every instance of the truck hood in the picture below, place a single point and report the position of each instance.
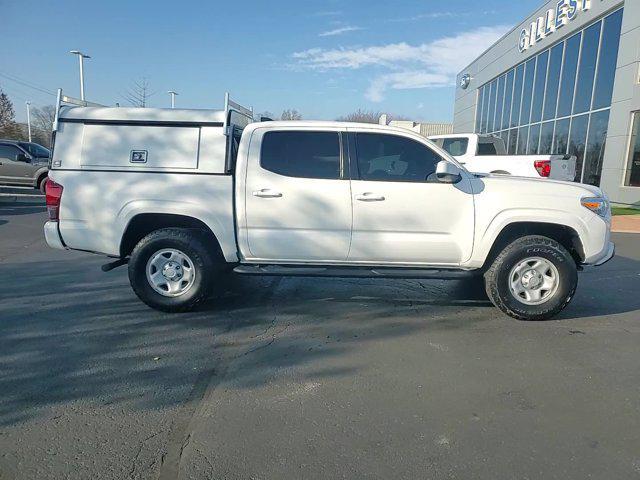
(532, 187)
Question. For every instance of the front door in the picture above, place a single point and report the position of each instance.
(402, 215)
(13, 170)
(297, 197)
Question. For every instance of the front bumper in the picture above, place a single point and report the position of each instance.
(609, 254)
(52, 235)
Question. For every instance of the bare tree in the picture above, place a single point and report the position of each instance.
(44, 117)
(291, 114)
(42, 124)
(8, 126)
(362, 116)
(139, 93)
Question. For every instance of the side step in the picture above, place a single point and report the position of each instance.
(353, 272)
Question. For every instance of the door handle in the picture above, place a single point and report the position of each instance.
(267, 193)
(370, 197)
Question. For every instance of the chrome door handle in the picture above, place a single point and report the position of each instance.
(267, 193)
(370, 197)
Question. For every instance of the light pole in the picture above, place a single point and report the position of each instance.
(81, 57)
(173, 98)
(29, 118)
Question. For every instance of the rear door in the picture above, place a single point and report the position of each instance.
(401, 213)
(297, 197)
(13, 170)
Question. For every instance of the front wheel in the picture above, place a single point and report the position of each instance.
(172, 269)
(533, 278)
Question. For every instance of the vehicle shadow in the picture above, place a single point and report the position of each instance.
(72, 333)
(21, 208)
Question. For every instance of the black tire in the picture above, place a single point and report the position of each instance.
(497, 281)
(206, 263)
(41, 183)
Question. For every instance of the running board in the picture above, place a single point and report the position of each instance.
(353, 272)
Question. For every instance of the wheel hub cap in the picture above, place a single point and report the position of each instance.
(531, 279)
(170, 272)
(534, 281)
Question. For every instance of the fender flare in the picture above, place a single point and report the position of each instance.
(485, 239)
(224, 234)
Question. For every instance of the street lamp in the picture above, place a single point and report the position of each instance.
(173, 98)
(81, 57)
(29, 118)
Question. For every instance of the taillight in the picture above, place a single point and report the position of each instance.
(543, 167)
(54, 195)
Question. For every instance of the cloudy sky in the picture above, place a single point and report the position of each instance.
(323, 58)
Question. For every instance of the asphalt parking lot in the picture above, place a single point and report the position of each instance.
(309, 378)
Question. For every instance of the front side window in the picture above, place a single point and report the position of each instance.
(455, 146)
(36, 150)
(302, 154)
(394, 159)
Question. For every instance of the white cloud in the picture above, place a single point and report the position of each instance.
(404, 80)
(431, 15)
(433, 64)
(339, 31)
(445, 14)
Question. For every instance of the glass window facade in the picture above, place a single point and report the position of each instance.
(633, 165)
(558, 101)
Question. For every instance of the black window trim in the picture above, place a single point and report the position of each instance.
(354, 168)
(342, 165)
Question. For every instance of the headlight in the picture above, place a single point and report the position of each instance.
(597, 205)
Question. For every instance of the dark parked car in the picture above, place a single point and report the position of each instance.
(23, 163)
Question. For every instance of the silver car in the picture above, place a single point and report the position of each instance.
(23, 163)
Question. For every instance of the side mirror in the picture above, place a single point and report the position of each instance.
(21, 157)
(447, 172)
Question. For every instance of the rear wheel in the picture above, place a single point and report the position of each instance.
(173, 269)
(533, 278)
(42, 182)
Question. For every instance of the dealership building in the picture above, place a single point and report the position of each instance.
(564, 81)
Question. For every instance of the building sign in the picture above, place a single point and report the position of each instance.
(553, 19)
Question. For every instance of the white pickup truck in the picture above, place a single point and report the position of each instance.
(488, 154)
(184, 196)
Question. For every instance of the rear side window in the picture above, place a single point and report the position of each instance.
(455, 146)
(487, 148)
(302, 154)
(394, 159)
